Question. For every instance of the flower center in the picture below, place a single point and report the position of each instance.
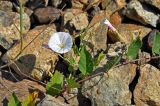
(61, 45)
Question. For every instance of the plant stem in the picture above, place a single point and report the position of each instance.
(21, 25)
(120, 36)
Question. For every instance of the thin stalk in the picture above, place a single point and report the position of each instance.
(120, 36)
(21, 26)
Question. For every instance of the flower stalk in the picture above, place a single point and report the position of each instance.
(21, 25)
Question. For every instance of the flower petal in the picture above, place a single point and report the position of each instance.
(60, 38)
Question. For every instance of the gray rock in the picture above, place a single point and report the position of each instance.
(34, 4)
(155, 3)
(138, 12)
(51, 101)
(4, 43)
(8, 31)
(6, 6)
(55, 3)
(112, 89)
(45, 15)
(151, 37)
(147, 91)
(116, 49)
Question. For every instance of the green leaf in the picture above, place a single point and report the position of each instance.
(71, 63)
(133, 49)
(156, 44)
(72, 83)
(86, 62)
(112, 62)
(55, 85)
(31, 99)
(99, 58)
(75, 49)
(13, 101)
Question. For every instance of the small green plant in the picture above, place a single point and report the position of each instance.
(133, 49)
(156, 44)
(14, 101)
(29, 101)
(84, 62)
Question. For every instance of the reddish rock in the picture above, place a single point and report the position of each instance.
(116, 19)
(35, 60)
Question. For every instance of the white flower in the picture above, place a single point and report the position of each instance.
(60, 42)
(109, 25)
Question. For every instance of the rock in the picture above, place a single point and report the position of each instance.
(51, 101)
(143, 55)
(6, 6)
(75, 18)
(112, 6)
(8, 31)
(85, 1)
(79, 21)
(129, 32)
(56, 3)
(28, 11)
(151, 37)
(111, 89)
(138, 12)
(77, 4)
(147, 90)
(96, 34)
(116, 18)
(21, 89)
(92, 4)
(35, 60)
(69, 14)
(116, 49)
(46, 15)
(34, 4)
(155, 3)
(72, 96)
(95, 10)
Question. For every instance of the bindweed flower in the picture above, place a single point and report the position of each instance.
(60, 42)
(106, 22)
(109, 25)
